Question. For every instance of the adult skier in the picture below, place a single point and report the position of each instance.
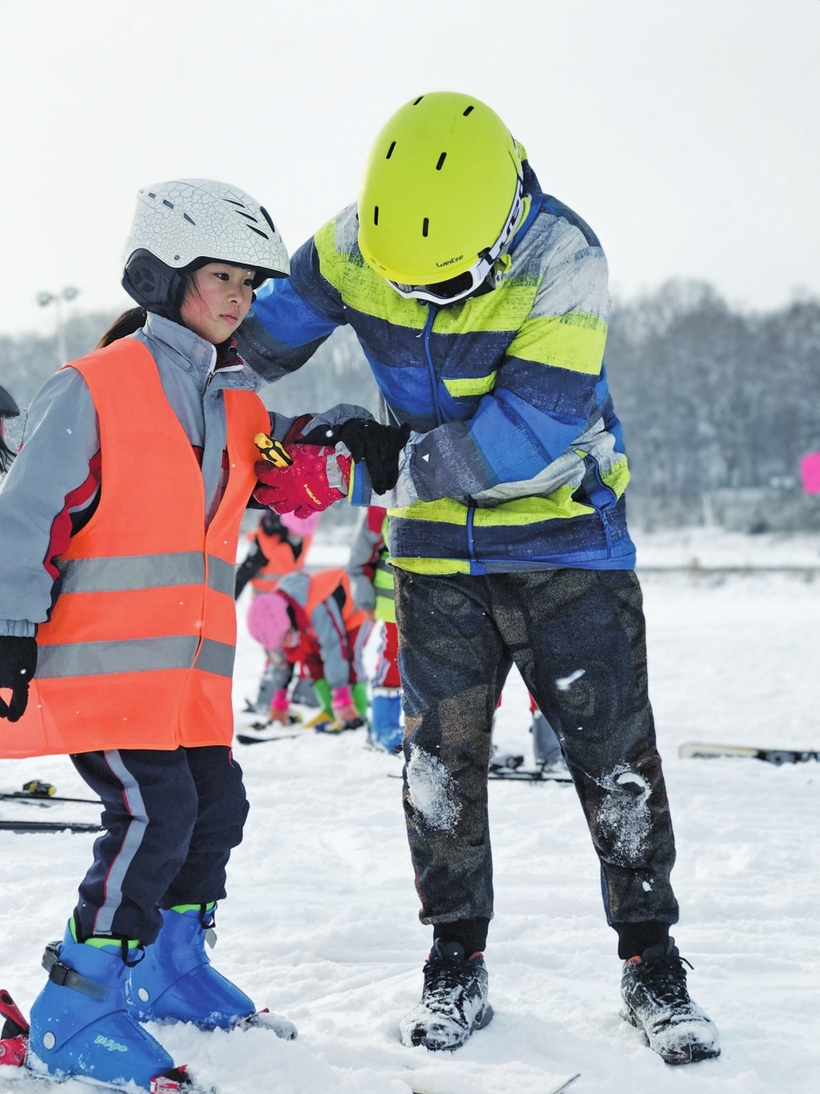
(119, 523)
(481, 303)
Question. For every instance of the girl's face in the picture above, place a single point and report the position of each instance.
(218, 298)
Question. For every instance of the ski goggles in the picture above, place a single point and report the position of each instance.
(461, 286)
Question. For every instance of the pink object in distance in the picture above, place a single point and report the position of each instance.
(301, 526)
(810, 473)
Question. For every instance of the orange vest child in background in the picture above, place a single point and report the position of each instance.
(138, 460)
(312, 620)
(279, 545)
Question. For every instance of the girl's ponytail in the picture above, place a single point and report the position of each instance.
(130, 321)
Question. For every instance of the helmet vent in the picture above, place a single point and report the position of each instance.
(469, 110)
(425, 227)
(186, 217)
(375, 214)
(418, 100)
(266, 215)
(441, 160)
(170, 204)
(240, 209)
(390, 150)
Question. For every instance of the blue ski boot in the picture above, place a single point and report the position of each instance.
(177, 983)
(385, 719)
(80, 1025)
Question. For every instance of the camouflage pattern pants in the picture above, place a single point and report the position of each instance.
(578, 640)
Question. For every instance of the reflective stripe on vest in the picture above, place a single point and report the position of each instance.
(97, 575)
(139, 650)
(135, 655)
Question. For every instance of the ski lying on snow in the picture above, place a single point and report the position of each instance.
(42, 799)
(42, 793)
(23, 826)
(517, 775)
(565, 1085)
(538, 775)
(692, 750)
(14, 1036)
(247, 739)
(22, 1078)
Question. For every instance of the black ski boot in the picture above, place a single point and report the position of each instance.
(653, 987)
(453, 1000)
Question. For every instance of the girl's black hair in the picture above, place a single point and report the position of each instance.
(6, 456)
(130, 321)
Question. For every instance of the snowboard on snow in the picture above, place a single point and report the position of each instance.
(778, 756)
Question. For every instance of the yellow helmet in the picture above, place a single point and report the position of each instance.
(442, 193)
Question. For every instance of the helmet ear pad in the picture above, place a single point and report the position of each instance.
(156, 286)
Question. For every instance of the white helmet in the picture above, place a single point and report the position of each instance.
(180, 225)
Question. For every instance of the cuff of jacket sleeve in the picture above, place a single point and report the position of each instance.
(359, 491)
(18, 628)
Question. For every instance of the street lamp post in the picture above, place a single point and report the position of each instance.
(44, 299)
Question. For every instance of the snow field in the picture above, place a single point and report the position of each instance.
(321, 920)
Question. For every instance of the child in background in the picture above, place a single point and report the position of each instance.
(280, 545)
(312, 620)
(371, 578)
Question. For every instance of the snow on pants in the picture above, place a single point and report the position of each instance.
(171, 819)
(578, 640)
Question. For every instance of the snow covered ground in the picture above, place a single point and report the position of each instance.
(321, 922)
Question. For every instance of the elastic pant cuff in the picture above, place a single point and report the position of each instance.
(635, 938)
(471, 933)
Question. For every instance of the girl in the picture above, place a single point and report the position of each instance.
(137, 466)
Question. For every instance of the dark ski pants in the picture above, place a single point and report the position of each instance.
(171, 819)
(578, 640)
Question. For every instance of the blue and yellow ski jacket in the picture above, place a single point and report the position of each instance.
(516, 460)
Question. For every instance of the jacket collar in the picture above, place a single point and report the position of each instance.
(193, 354)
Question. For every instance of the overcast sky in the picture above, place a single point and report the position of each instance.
(686, 132)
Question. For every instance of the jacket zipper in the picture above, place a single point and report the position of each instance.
(476, 567)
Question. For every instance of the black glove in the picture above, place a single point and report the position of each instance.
(18, 661)
(377, 446)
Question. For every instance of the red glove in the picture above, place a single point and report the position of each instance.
(316, 478)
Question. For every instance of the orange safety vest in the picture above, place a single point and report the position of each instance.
(280, 559)
(322, 586)
(140, 647)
